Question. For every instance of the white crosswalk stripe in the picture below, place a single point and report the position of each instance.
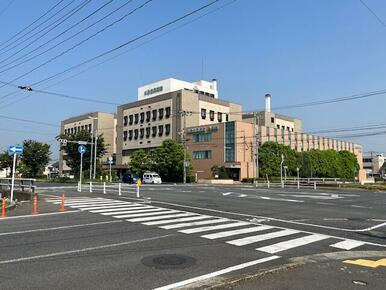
(132, 210)
(286, 245)
(348, 244)
(185, 225)
(211, 228)
(145, 219)
(263, 237)
(236, 232)
(160, 212)
(188, 219)
(194, 223)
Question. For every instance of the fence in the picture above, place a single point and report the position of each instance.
(292, 182)
(103, 187)
(23, 184)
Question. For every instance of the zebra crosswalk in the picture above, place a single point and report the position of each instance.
(233, 232)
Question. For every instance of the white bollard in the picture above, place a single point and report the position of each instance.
(298, 184)
(282, 184)
(104, 187)
(90, 186)
(315, 185)
(137, 187)
(268, 183)
(79, 187)
(119, 189)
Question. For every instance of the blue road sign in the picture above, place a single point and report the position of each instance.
(15, 149)
(82, 149)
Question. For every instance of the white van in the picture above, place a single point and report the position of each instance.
(151, 177)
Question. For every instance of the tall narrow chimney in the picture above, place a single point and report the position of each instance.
(268, 103)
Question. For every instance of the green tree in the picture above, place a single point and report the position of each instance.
(349, 166)
(35, 157)
(6, 161)
(270, 159)
(140, 161)
(71, 154)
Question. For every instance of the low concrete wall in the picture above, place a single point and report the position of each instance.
(215, 181)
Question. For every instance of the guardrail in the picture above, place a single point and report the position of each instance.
(105, 187)
(22, 184)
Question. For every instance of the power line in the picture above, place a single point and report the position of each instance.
(50, 40)
(120, 54)
(81, 42)
(28, 121)
(4, 49)
(373, 13)
(6, 7)
(31, 24)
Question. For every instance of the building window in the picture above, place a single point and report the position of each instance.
(154, 131)
(154, 115)
(142, 117)
(89, 127)
(141, 133)
(230, 142)
(130, 134)
(148, 113)
(203, 114)
(160, 130)
(211, 115)
(161, 113)
(136, 134)
(124, 135)
(226, 117)
(272, 120)
(147, 132)
(167, 129)
(136, 119)
(131, 120)
(219, 117)
(203, 137)
(207, 154)
(167, 112)
(125, 121)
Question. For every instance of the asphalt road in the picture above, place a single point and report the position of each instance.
(195, 236)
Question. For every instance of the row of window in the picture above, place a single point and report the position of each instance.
(74, 130)
(146, 132)
(147, 116)
(202, 137)
(207, 154)
(211, 115)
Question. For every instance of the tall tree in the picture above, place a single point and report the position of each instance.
(5, 161)
(35, 157)
(71, 154)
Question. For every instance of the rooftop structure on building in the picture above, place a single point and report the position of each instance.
(202, 87)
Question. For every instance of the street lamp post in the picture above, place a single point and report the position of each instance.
(93, 150)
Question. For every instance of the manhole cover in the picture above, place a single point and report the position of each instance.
(168, 261)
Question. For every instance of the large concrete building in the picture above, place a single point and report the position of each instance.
(96, 122)
(372, 164)
(231, 144)
(159, 114)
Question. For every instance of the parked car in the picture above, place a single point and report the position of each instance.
(130, 178)
(151, 177)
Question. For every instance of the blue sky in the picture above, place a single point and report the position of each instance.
(297, 50)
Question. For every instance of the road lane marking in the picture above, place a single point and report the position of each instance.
(188, 219)
(158, 213)
(263, 237)
(262, 217)
(367, 263)
(128, 211)
(78, 251)
(38, 215)
(190, 224)
(145, 219)
(217, 273)
(108, 209)
(236, 232)
(59, 228)
(88, 205)
(123, 205)
(373, 227)
(290, 244)
(348, 244)
(212, 228)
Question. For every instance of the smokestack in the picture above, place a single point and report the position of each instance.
(268, 103)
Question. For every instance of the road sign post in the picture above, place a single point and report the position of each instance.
(110, 163)
(14, 150)
(81, 149)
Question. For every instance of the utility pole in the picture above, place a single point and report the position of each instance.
(183, 137)
(256, 147)
(95, 152)
(281, 170)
